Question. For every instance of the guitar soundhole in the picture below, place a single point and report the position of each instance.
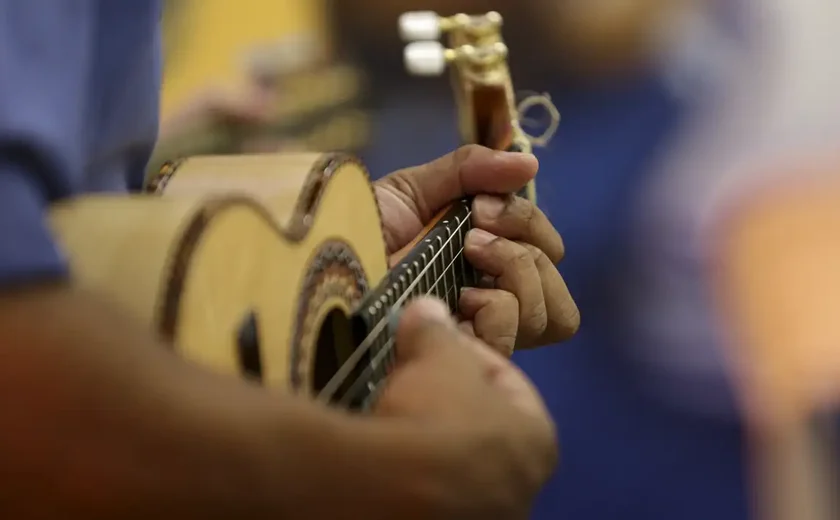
(335, 345)
(248, 347)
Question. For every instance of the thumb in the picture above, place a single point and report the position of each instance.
(423, 325)
(468, 170)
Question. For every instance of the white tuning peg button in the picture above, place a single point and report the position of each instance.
(425, 58)
(419, 25)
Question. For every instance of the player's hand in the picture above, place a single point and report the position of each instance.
(492, 444)
(526, 303)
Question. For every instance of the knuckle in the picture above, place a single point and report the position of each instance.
(531, 225)
(528, 211)
(519, 254)
(523, 210)
(502, 308)
(497, 323)
(535, 318)
(536, 253)
(502, 250)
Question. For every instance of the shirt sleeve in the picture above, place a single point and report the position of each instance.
(46, 54)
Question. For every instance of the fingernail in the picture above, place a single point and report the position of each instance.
(465, 291)
(478, 237)
(425, 308)
(431, 309)
(489, 206)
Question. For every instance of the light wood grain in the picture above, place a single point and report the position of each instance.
(246, 258)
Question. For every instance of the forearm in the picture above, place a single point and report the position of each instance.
(100, 420)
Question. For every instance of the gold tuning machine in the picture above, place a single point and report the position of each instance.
(474, 46)
(430, 58)
(428, 25)
(476, 41)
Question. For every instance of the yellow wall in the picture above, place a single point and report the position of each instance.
(213, 35)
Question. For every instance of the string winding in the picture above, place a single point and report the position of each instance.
(535, 99)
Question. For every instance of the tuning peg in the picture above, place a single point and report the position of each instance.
(420, 25)
(427, 58)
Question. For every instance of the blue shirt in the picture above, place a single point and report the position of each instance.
(79, 92)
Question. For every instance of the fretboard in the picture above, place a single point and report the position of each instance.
(435, 266)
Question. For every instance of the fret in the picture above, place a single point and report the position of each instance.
(418, 289)
(384, 365)
(402, 283)
(461, 262)
(409, 278)
(458, 283)
(450, 270)
(436, 267)
(474, 275)
(432, 269)
(470, 274)
(443, 272)
(426, 280)
(376, 351)
(391, 294)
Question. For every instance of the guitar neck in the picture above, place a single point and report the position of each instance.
(434, 266)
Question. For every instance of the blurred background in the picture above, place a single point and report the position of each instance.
(695, 177)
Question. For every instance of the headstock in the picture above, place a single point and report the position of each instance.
(476, 55)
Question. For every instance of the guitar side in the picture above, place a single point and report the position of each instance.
(241, 284)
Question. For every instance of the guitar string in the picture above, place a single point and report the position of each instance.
(341, 376)
(365, 378)
(344, 373)
(386, 349)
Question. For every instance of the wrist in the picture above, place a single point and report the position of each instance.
(403, 469)
(371, 468)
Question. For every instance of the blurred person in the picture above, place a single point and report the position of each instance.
(102, 421)
(271, 110)
(270, 87)
(766, 127)
(738, 227)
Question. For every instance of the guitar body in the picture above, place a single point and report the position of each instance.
(257, 260)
